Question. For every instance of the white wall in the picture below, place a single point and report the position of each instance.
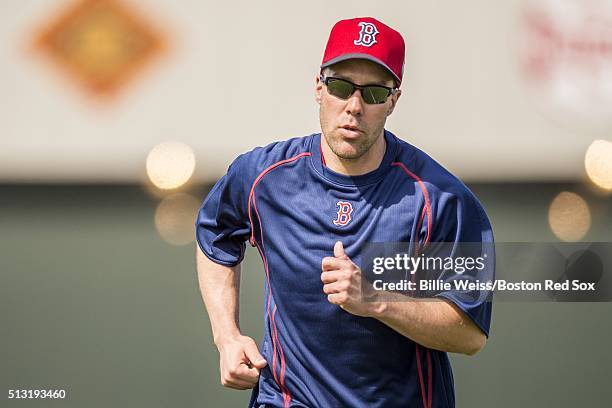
(463, 100)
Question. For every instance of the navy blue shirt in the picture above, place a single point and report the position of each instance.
(284, 200)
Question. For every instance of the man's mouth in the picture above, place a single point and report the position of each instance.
(350, 131)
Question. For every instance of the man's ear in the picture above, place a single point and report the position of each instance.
(318, 89)
(394, 99)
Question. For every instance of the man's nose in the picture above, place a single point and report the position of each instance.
(354, 105)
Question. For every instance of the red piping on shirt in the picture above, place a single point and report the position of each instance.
(280, 379)
(258, 179)
(322, 156)
(427, 398)
(427, 208)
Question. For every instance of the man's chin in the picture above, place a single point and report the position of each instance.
(347, 149)
(348, 154)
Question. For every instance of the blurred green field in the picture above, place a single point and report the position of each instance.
(95, 302)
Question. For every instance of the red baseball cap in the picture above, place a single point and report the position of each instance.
(366, 38)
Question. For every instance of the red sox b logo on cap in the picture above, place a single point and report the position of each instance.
(367, 35)
(345, 209)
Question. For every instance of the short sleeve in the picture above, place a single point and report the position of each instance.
(462, 233)
(222, 223)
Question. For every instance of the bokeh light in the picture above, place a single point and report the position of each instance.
(569, 216)
(170, 165)
(175, 218)
(598, 163)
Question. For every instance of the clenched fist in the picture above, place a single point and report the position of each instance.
(240, 362)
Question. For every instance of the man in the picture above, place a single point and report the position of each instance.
(308, 205)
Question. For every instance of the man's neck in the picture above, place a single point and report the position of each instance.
(370, 161)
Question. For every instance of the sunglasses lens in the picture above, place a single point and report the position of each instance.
(340, 88)
(375, 94)
(371, 94)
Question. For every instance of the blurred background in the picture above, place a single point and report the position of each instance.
(119, 115)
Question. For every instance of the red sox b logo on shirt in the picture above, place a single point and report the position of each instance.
(367, 35)
(345, 209)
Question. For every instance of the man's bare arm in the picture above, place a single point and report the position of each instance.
(239, 357)
(433, 323)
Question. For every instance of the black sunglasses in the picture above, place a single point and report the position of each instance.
(343, 89)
